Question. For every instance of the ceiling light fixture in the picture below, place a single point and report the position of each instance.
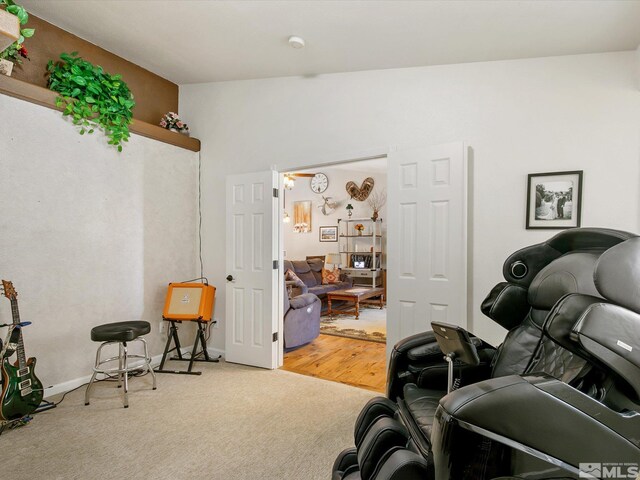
(296, 42)
(289, 182)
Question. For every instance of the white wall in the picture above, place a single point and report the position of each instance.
(298, 245)
(520, 117)
(638, 67)
(87, 235)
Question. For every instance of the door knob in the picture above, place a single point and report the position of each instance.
(229, 278)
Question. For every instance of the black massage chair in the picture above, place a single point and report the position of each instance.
(560, 396)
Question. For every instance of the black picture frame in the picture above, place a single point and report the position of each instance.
(328, 234)
(554, 200)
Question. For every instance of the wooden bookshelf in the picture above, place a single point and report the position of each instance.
(47, 98)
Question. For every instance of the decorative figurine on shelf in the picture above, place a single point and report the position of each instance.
(349, 208)
(172, 122)
(359, 227)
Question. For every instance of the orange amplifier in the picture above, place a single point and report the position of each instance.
(189, 301)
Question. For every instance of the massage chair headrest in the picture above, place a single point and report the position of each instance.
(523, 266)
(617, 274)
(571, 273)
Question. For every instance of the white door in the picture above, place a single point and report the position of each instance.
(427, 239)
(252, 289)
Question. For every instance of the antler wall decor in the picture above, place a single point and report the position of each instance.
(328, 206)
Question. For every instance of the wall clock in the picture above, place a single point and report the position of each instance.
(319, 183)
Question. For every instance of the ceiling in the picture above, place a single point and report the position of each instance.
(189, 41)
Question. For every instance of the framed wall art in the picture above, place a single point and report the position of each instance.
(328, 234)
(554, 200)
(302, 216)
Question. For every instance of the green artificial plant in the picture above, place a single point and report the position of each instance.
(91, 97)
(16, 50)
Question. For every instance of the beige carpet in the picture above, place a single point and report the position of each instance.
(233, 422)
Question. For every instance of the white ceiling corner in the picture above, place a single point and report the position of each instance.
(190, 41)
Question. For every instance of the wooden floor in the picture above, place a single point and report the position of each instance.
(355, 362)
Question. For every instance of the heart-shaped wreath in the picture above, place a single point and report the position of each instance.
(360, 193)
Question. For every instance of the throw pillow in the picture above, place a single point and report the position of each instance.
(329, 277)
(291, 276)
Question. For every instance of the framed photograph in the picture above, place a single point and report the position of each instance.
(328, 234)
(554, 200)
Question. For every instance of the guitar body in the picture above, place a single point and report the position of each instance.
(16, 402)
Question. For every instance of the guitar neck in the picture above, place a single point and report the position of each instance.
(15, 313)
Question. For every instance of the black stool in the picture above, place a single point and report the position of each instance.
(120, 333)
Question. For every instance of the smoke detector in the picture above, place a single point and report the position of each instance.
(296, 42)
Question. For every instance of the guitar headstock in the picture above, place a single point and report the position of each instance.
(8, 290)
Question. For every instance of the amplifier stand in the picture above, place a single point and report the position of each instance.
(195, 355)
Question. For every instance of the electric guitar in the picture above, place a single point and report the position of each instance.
(21, 390)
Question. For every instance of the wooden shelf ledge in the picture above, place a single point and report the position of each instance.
(47, 98)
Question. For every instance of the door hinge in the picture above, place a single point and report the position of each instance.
(275, 264)
(275, 336)
(275, 193)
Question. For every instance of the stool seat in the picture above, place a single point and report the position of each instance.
(120, 331)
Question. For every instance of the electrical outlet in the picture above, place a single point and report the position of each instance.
(162, 326)
(216, 322)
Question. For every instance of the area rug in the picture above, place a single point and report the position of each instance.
(371, 325)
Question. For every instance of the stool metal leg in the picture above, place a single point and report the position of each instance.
(147, 359)
(120, 365)
(93, 377)
(122, 372)
(126, 375)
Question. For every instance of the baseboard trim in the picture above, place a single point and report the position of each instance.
(63, 387)
(214, 352)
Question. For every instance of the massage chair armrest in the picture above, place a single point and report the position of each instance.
(538, 411)
(417, 340)
(435, 376)
(398, 374)
(418, 359)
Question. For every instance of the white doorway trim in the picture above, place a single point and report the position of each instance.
(371, 155)
(356, 157)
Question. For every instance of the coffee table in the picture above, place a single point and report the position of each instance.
(355, 295)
